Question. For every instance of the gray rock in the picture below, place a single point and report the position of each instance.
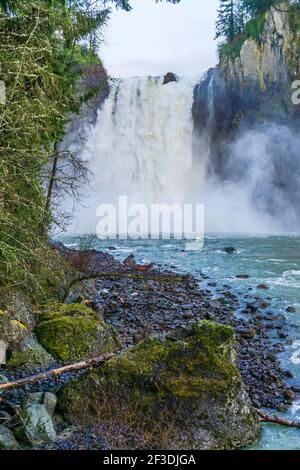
(30, 354)
(17, 318)
(33, 399)
(50, 402)
(230, 250)
(48, 399)
(7, 439)
(291, 310)
(169, 78)
(38, 423)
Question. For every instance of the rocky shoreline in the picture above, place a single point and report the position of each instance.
(139, 301)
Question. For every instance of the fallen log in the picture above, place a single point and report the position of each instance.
(90, 363)
(265, 418)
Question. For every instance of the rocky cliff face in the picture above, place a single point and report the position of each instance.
(254, 86)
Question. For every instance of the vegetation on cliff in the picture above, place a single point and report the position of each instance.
(239, 20)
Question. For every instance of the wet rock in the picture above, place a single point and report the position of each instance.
(191, 375)
(242, 276)
(247, 333)
(7, 439)
(216, 304)
(129, 260)
(291, 310)
(229, 249)
(263, 287)
(289, 395)
(170, 77)
(188, 314)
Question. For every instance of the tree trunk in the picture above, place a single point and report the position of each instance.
(265, 418)
(52, 178)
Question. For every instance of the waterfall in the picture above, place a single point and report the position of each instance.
(141, 146)
(154, 143)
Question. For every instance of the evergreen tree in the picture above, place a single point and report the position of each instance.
(255, 8)
(229, 21)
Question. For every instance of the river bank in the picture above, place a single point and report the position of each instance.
(144, 299)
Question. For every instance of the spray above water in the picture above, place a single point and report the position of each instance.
(142, 148)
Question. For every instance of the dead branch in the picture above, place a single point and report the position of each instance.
(265, 418)
(95, 361)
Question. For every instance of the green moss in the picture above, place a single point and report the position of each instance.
(73, 332)
(233, 48)
(196, 364)
(254, 28)
(170, 388)
(57, 309)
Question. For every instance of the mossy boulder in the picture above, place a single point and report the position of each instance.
(73, 333)
(30, 354)
(182, 392)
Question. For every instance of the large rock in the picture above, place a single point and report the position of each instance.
(184, 392)
(30, 354)
(7, 439)
(169, 78)
(73, 333)
(38, 424)
(17, 318)
(48, 399)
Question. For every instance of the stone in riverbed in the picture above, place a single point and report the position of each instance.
(185, 391)
(291, 310)
(230, 250)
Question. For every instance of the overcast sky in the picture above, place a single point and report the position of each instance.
(154, 39)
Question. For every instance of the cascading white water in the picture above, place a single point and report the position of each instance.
(142, 147)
